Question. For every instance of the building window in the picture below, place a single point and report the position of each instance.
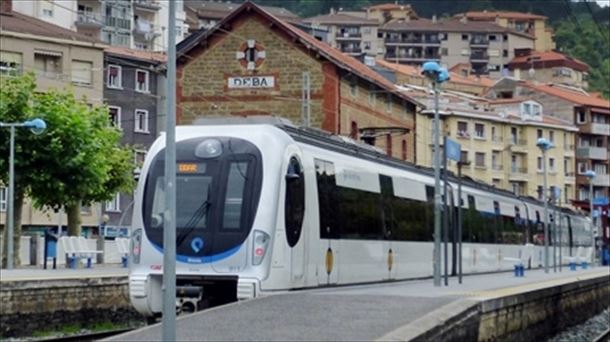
(462, 129)
(142, 81)
(404, 150)
(479, 159)
(479, 130)
(504, 53)
(505, 38)
(552, 165)
(388, 103)
(114, 204)
(539, 164)
(538, 133)
(114, 115)
(582, 168)
(82, 72)
(10, 63)
(353, 90)
(444, 51)
(388, 144)
(115, 77)
(48, 63)
(354, 131)
(139, 156)
(552, 136)
(464, 37)
(581, 117)
(141, 121)
(464, 156)
(3, 198)
(539, 192)
(371, 96)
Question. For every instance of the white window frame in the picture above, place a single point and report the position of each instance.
(3, 199)
(114, 205)
(146, 84)
(539, 164)
(117, 124)
(119, 77)
(136, 152)
(137, 121)
(552, 166)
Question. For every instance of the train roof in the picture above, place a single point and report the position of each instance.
(344, 145)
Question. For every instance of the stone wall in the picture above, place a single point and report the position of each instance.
(29, 306)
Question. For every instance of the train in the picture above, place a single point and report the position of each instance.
(263, 205)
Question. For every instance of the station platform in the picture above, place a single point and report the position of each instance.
(37, 273)
(398, 311)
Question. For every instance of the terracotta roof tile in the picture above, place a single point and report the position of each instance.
(340, 59)
(19, 23)
(158, 57)
(571, 96)
(389, 7)
(554, 57)
(340, 18)
(491, 15)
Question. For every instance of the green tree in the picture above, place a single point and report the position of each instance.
(15, 106)
(78, 160)
(81, 156)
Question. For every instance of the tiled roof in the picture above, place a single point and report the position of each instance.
(338, 58)
(455, 77)
(155, 57)
(389, 7)
(340, 18)
(491, 15)
(219, 9)
(510, 100)
(19, 23)
(569, 95)
(552, 58)
(449, 25)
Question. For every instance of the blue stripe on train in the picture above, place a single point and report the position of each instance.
(205, 259)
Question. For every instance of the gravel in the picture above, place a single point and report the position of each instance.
(586, 331)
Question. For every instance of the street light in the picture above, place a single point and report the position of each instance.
(436, 75)
(545, 145)
(37, 126)
(590, 174)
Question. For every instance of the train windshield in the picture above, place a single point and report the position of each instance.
(216, 198)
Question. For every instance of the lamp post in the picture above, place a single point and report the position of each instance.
(37, 126)
(545, 145)
(590, 174)
(436, 75)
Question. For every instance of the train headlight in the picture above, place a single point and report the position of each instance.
(209, 148)
(259, 247)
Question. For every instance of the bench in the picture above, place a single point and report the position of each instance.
(75, 248)
(575, 259)
(524, 257)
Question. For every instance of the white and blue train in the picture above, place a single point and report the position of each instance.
(265, 206)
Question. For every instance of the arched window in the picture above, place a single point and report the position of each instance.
(294, 209)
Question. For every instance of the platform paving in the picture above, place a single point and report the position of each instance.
(367, 312)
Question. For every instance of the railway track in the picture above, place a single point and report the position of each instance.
(95, 336)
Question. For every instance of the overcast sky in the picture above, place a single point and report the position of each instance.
(603, 3)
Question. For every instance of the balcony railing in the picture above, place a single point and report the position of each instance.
(568, 147)
(601, 180)
(146, 4)
(479, 56)
(412, 40)
(596, 128)
(411, 56)
(497, 167)
(518, 169)
(348, 35)
(118, 22)
(496, 139)
(88, 19)
(598, 153)
(479, 41)
(351, 50)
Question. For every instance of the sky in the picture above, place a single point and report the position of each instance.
(603, 3)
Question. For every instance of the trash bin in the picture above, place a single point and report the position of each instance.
(50, 247)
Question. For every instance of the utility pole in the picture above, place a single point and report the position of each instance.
(169, 218)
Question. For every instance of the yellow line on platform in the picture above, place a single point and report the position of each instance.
(61, 277)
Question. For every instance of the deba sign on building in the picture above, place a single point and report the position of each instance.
(251, 82)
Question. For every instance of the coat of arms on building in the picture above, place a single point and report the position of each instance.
(251, 55)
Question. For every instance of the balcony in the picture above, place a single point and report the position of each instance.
(89, 20)
(519, 146)
(479, 57)
(569, 178)
(146, 5)
(351, 50)
(496, 139)
(601, 180)
(518, 174)
(120, 23)
(568, 150)
(597, 153)
(145, 30)
(477, 41)
(596, 128)
(348, 36)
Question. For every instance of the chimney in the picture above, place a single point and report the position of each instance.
(463, 19)
(6, 6)
(332, 10)
(434, 19)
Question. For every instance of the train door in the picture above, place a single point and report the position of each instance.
(294, 215)
(387, 219)
(329, 223)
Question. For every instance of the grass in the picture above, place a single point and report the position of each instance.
(75, 329)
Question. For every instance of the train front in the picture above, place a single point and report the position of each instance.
(221, 242)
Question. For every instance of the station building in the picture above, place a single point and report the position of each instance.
(252, 63)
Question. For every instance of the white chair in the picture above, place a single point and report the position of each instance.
(584, 258)
(66, 244)
(573, 260)
(123, 248)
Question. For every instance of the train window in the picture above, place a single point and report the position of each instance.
(327, 203)
(294, 209)
(235, 194)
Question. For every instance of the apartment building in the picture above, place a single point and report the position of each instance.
(549, 67)
(349, 34)
(131, 91)
(527, 23)
(139, 24)
(60, 58)
(590, 114)
(498, 139)
(487, 47)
